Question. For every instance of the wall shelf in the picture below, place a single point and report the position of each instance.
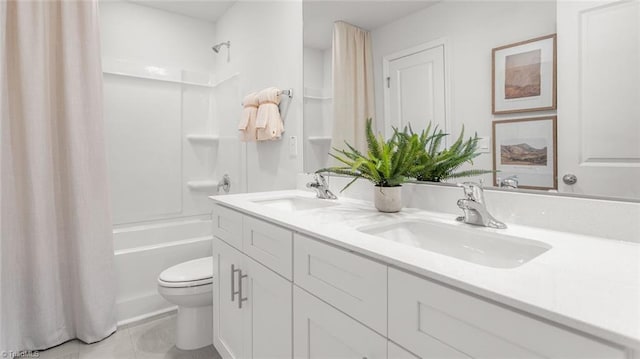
(317, 93)
(203, 139)
(157, 73)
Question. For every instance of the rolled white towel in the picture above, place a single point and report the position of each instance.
(247, 124)
(268, 121)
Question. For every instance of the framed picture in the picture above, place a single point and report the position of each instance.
(524, 76)
(526, 148)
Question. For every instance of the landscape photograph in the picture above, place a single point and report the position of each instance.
(522, 75)
(523, 154)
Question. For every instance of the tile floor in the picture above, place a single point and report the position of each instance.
(148, 340)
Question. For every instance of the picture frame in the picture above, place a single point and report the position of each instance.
(526, 148)
(524, 76)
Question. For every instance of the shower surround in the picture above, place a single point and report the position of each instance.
(171, 110)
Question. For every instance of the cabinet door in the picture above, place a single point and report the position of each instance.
(227, 316)
(267, 312)
(321, 331)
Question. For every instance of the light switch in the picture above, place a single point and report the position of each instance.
(484, 144)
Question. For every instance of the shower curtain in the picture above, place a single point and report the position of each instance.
(353, 98)
(57, 279)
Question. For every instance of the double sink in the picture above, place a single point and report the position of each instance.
(483, 246)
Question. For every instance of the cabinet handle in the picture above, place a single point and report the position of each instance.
(233, 282)
(240, 299)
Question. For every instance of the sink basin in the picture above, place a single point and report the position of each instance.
(296, 203)
(470, 244)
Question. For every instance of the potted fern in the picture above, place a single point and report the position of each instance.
(386, 165)
(434, 165)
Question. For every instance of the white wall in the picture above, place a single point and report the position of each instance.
(147, 35)
(150, 159)
(158, 221)
(472, 29)
(313, 68)
(318, 108)
(266, 51)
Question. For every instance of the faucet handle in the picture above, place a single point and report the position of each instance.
(466, 187)
(472, 191)
(319, 178)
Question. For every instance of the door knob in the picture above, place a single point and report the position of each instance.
(569, 179)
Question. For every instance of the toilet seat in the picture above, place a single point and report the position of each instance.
(186, 290)
(194, 273)
(195, 283)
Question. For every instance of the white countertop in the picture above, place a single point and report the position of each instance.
(586, 283)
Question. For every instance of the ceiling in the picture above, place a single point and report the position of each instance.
(319, 16)
(208, 10)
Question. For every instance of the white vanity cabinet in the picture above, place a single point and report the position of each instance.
(435, 321)
(321, 331)
(284, 294)
(252, 303)
(269, 244)
(227, 225)
(352, 283)
(227, 314)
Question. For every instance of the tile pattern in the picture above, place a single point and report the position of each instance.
(148, 340)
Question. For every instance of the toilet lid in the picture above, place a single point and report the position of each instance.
(194, 270)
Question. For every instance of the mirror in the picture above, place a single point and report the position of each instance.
(432, 62)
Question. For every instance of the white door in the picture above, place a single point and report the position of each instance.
(321, 331)
(415, 88)
(599, 97)
(267, 312)
(227, 317)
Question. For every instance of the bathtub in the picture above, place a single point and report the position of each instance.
(142, 251)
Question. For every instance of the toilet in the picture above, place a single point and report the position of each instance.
(189, 285)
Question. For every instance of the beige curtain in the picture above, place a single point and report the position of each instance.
(57, 279)
(353, 98)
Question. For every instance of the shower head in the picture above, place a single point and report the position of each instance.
(217, 47)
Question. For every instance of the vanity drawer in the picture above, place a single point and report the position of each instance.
(227, 225)
(423, 313)
(269, 244)
(351, 283)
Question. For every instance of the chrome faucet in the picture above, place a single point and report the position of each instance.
(322, 188)
(474, 207)
(509, 182)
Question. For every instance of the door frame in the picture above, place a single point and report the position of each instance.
(444, 42)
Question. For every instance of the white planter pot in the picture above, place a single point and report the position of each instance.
(388, 199)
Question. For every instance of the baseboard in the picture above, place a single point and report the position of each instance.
(147, 317)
